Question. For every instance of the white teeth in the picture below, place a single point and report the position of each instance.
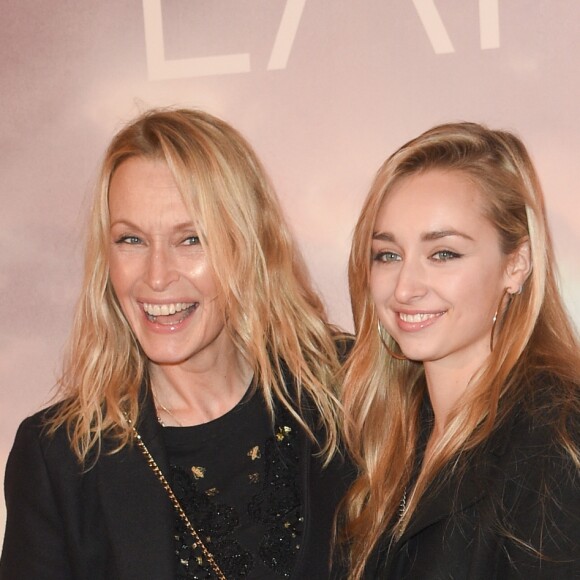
(416, 317)
(166, 309)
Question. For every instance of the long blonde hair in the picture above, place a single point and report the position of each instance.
(383, 396)
(270, 309)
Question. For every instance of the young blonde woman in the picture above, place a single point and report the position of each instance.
(461, 396)
(196, 436)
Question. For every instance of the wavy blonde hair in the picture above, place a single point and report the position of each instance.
(383, 396)
(270, 310)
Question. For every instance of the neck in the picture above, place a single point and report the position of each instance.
(192, 396)
(446, 385)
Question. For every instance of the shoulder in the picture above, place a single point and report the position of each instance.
(539, 475)
(37, 425)
(542, 431)
(534, 449)
(540, 453)
(36, 444)
(547, 411)
(539, 441)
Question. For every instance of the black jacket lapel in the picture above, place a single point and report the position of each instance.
(136, 507)
(446, 496)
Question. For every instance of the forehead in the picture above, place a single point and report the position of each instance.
(140, 185)
(137, 172)
(432, 199)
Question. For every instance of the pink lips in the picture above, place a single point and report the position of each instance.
(415, 321)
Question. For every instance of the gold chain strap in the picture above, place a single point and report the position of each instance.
(157, 471)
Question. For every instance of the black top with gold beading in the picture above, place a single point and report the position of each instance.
(237, 479)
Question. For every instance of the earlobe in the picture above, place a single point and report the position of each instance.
(519, 268)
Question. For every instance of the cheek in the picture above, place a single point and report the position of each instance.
(381, 285)
(202, 276)
(123, 275)
(118, 276)
(122, 293)
(481, 292)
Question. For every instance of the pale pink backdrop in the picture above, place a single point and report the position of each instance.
(324, 89)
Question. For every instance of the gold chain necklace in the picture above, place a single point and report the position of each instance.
(198, 543)
(164, 408)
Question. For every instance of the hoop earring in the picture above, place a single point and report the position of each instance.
(393, 354)
(510, 296)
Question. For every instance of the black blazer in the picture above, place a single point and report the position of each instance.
(114, 521)
(522, 479)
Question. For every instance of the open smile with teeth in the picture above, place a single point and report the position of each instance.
(419, 317)
(154, 311)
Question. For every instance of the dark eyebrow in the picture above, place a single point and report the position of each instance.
(426, 237)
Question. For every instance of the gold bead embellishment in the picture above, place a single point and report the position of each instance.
(254, 453)
(198, 472)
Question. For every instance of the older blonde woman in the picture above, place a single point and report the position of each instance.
(461, 396)
(196, 436)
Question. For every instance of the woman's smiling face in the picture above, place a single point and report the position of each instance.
(438, 272)
(159, 271)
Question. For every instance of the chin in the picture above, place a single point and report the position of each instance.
(165, 358)
(418, 354)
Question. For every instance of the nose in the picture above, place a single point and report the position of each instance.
(161, 269)
(411, 281)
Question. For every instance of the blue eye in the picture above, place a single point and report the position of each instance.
(130, 240)
(191, 241)
(386, 257)
(445, 255)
